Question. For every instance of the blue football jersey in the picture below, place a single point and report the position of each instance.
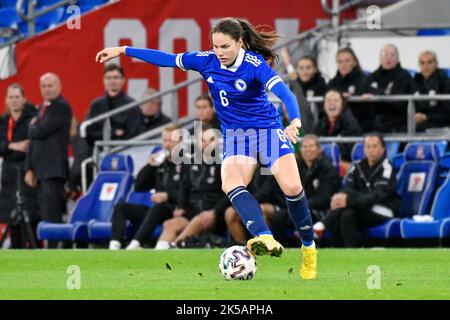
(238, 91)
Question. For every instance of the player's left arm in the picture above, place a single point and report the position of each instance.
(184, 61)
(272, 82)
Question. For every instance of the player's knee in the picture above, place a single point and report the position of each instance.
(292, 189)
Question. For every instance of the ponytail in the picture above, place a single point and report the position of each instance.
(255, 39)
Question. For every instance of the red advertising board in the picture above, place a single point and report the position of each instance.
(170, 25)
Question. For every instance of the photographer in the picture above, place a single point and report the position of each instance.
(13, 147)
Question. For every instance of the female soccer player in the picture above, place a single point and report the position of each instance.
(237, 73)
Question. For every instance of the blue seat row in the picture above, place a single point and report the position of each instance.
(424, 186)
(9, 18)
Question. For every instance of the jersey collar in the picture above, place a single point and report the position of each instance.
(237, 63)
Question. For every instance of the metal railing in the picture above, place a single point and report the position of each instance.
(32, 14)
(411, 108)
(337, 8)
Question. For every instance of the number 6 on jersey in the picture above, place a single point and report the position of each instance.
(223, 99)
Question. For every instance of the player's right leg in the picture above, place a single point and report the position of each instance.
(237, 172)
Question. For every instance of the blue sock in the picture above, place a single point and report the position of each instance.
(299, 212)
(249, 210)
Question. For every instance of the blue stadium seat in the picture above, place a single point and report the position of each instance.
(87, 5)
(333, 153)
(391, 151)
(412, 72)
(419, 162)
(417, 178)
(43, 3)
(433, 32)
(440, 212)
(444, 169)
(388, 230)
(8, 3)
(110, 186)
(392, 148)
(44, 22)
(357, 151)
(9, 18)
(101, 230)
(448, 72)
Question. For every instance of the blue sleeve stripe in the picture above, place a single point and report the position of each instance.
(270, 83)
(179, 61)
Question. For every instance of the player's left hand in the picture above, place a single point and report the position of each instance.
(292, 131)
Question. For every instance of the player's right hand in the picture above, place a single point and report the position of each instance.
(109, 53)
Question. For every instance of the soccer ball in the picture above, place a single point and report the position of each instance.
(237, 263)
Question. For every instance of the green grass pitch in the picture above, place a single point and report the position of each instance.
(194, 274)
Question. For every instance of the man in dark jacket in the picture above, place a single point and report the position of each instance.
(369, 199)
(201, 196)
(389, 79)
(431, 81)
(161, 174)
(47, 163)
(151, 114)
(124, 125)
(14, 144)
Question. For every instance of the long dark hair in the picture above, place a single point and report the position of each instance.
(255, 38)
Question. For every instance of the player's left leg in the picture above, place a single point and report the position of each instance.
(286, 173)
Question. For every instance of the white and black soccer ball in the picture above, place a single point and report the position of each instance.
(237, 263)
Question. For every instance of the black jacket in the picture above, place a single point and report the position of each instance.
(165, 178)
(152, 122)
(49, 141)
(320, 182)
(128, 121)
(346, 125)
(438, 112)
(306, 112)
(389, 116)
(316, 86)
(201, 188)
(13, 164)
(376, 185)
(352, 83)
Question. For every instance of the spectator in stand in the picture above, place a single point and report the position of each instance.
(389, 79)
(46, 164)
(201, 197)
(204, 111)
(308, 78)
(14, 144)
(151, 115)
(160, 174)
(349, 80)
(339, 121)
(369, 199)
(124, 125)
(296, 87)
(307, 75)
(430, 81)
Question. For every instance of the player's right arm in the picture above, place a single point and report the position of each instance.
(185, 61)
